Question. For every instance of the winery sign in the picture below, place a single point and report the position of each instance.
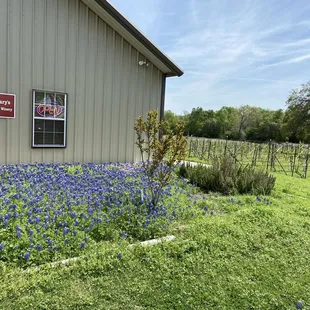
(7, 105)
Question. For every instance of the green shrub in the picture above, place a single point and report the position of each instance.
(159, 154)
(228, 177)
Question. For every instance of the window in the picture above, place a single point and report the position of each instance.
(49, 119)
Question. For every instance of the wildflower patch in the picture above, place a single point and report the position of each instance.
(51, 212)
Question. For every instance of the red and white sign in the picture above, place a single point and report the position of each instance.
(7, 105)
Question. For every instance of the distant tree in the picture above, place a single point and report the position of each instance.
(297, 116)
(251, 123)
(265, 125)
(228, 119)
(246, 116)
(194, 122)
(211, 128)
(171, 120)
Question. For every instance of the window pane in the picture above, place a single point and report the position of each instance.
(39, 97)
(38, 138)
(60, 106)
(50, 98)
(59, 112)
(50, 110)
(49, 126)
(59, 138)
(59, 126)
(49, 138)
(39, 111)
(60, 99)
(38, 125)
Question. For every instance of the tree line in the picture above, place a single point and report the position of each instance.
(251, 123)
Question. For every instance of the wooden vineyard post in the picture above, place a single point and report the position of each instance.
(272, 164)
(254, 159)
(269, 146)
(190, 148)
(225, 147)
(294, 161)
(203, 150)
(209, 150)
(307, 162)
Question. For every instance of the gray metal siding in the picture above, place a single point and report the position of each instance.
(62, 45)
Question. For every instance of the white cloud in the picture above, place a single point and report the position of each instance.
(229, 50)
(288, 61)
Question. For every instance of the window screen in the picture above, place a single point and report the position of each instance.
(49, 119)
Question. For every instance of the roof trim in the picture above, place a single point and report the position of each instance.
(175, 70)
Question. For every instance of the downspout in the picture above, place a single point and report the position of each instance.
(163, 97)
(162, 103)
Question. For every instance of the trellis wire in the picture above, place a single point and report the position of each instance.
(288, 158)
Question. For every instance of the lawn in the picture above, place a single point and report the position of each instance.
(242, 252)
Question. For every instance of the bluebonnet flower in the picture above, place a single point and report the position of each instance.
(90, 211)
(299, 305)
(102, 189)
(83, 245)
(119, 255)
(39, 247)
(124, 235)
(27, 256)
(2, 246)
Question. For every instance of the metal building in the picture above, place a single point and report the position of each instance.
(80, 74)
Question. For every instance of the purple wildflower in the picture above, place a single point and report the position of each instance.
(27, 256)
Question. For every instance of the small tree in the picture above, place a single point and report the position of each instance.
(161, 151)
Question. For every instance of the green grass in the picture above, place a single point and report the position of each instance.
(254, 256)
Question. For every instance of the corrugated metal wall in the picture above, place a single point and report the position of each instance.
(61, 45)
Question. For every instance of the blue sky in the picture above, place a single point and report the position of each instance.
(233, 52)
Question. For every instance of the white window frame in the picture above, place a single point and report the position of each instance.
(34, 117)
